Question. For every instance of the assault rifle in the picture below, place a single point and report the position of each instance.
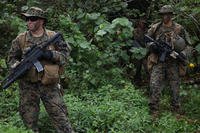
(165, 50)
(30, 59)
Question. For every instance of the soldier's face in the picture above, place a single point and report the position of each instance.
(34, 23)
(166, 18)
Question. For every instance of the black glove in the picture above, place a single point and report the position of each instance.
(47, 55)
(154, 48)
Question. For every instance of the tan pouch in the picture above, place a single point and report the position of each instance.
(182, 69)
(151, 60)
(51, 74)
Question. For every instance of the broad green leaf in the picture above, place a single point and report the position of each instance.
(93, 16)
(101, 33)
(84, 45)
(3, 63)
(198, 48)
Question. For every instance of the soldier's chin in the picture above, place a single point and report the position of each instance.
(166, 21)
(31, 29)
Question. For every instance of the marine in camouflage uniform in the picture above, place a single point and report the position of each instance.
(31, 87)
(166, 30)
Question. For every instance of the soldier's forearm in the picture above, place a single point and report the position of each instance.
(60, 57)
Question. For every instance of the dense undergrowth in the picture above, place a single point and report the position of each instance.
(109, 109)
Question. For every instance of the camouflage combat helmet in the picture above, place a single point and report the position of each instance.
(166, 9)
(179, 44)
(36, 12)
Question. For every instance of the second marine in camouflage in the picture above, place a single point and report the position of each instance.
(175, 35)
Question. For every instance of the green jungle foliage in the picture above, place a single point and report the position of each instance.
(99, 92)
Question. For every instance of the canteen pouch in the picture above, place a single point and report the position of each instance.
(182, 70)
(51, 74)
(151, 61)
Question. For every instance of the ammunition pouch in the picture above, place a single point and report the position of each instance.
(182, 69)
(51, 74)
(151, 61)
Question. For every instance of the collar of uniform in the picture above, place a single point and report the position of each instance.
(30, 38)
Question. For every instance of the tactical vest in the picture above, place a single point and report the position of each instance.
(50, 74)
(153, 58)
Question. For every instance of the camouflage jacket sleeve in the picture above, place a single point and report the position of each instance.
(62, 52)
(15, 53)
(150, 33)
(153, 29)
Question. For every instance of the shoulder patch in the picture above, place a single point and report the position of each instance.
(155, 25)
(154, 28)
(22, 38)
(21, 35)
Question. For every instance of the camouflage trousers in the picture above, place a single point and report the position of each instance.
(161, 72)
(30, 95)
